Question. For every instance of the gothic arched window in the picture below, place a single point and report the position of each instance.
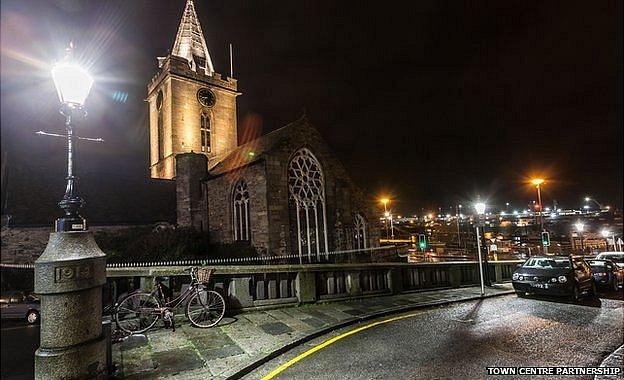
(160, 126)
(204, 129)
(240, 212)
(360, 232)
(306, 188)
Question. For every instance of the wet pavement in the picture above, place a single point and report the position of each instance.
(239, 341)
(19, 343)
(459, 341)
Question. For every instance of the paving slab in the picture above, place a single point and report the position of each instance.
(240, 343)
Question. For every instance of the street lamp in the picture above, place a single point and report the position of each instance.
(590, 199)
(388, 216)
(71, 271)
(537, 182)
(457, 208)
(385, 201)
(480, 209)
(73, 84)
(606, 233)
(579, 228)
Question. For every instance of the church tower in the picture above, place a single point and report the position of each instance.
(191, 107)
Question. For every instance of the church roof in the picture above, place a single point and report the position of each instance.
(190, 40)
(255, 150)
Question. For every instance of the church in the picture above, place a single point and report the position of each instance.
(283, 193)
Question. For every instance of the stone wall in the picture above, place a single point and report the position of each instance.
(219, 193)
(267, 179)
(23, 245)
(343, 197)
(192, 170)
(182, 114)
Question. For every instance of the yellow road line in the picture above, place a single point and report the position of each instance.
(333, 340)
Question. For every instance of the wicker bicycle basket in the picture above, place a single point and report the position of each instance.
(203, 275)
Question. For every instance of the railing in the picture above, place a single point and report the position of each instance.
(253, 286)
(248, 286)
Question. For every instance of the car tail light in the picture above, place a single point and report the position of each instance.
(562, 279)
(600, 274)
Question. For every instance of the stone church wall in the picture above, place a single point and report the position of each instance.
(219, 194)
(343, 198)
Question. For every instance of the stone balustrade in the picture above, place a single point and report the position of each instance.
(263, 286)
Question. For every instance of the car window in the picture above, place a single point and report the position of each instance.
(613, 257)
(547, 263)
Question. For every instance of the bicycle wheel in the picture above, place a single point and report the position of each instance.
(205, 308)
(137, 313)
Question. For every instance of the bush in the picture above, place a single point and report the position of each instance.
(142, 244)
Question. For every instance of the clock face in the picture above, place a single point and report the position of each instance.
(206, 97)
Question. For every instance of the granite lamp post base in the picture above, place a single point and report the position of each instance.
(69, 277)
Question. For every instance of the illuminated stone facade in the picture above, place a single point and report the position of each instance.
(191, 108)
(283, 193)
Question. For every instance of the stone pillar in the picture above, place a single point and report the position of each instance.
(498, 273)
(395, 280)
(454, 274)
(354, 288)
(306, 287)
(191, 210)
(69, 277)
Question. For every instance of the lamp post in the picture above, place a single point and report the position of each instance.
(73, 84)
(480, 209)
(385, 201)
(606, 233)
(71, 271)
(388, 216)
(457, 219)
(588, 199)
(538, 182)
(579, 228)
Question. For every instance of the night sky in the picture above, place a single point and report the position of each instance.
(431, 102)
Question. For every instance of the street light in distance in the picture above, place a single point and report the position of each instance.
(480, 209)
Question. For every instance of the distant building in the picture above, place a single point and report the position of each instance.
(283, 193)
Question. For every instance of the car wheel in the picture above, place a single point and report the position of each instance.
(593, 292)
(32, 317)
(576, 293)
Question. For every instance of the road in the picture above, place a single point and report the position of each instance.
(459, 341)
(19, 342)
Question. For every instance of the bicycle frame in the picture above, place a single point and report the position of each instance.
(159, 294)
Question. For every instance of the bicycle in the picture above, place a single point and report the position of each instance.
(139, 311)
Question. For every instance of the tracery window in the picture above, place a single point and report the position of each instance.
(360, 232)
(306, 188)
(240, 212)
(205, 132)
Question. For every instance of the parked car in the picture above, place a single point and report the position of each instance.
(616, 257)
(607, 274)
(554, 275)
(18, 305)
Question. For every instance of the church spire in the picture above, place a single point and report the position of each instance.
(190, 44)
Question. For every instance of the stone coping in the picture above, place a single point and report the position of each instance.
(149, 271)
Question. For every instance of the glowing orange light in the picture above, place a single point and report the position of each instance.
(537, 181)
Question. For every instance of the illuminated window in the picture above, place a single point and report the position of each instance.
(306, 187)
(360, 232)
(161, 128)
(205, 132)
(240, 212)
